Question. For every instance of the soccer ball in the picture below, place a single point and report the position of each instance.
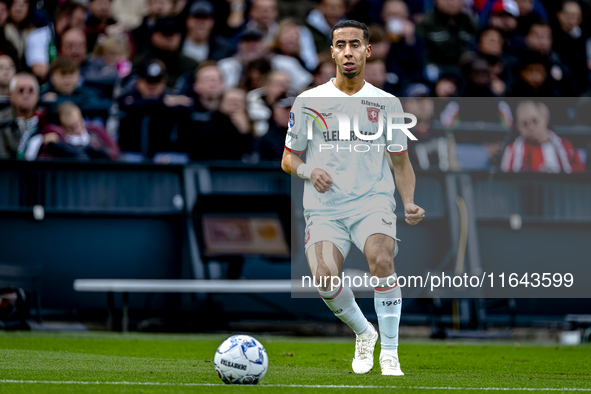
(241, 359)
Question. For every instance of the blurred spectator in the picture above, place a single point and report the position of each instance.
(375, 73)
(260, 101)
(42, 43)
(98, 20)
(22, 120)
(7, 72)
(448, 85)
(324, 72)
(404, 61)
(533, 77)
(165, 45)
(156, 9)
(94, 71)
(129, 12)
(108, 65)
(479, 81)
(539, 149)
(207, 133)
(255, 74)
(434, 148)
(504, 17)
(200, 43)
(380, 43)
(448, 34)
(65, 85)
(19, 26)
(498, 75)
(6, 47)
(539, 39)
(530, 11)
(490, 41)
(148, 112)
(570, 42)
(250, 48)
(321, 19)
(233, 105)
(503, 65)
(263, 16)
(288, 42)
(73, 138)
(271, 145)
(74, 44)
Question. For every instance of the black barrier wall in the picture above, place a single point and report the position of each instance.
(134, 221)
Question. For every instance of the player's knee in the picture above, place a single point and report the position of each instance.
(382, 264)
(323, 277)
(322, 272)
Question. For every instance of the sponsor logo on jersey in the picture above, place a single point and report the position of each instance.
(292, 135)
(291, 120)
(385, 223)
(373, 114)
(347, 133)
(380, 106)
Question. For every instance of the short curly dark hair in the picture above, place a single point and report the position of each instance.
(351, 23)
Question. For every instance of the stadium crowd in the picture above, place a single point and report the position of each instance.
(178, 80)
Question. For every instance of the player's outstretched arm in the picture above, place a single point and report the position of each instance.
(290, 163)
(405, 179)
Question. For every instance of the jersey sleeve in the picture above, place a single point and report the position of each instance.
(399, 142)
(295, 140)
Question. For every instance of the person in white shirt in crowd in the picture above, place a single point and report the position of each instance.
(19, 25)
(288, 42)
(200, 43)
(260, 101)
(42, 43)
(251, 47)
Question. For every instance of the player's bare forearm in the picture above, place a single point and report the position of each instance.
(290, 162)
(405, 183)
(404, 176)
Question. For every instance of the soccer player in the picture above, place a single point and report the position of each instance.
(349, 194)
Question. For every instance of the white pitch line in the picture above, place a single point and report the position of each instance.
(308, 386)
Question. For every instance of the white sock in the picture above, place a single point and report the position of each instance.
(342, 302)
(388, 304)
(368, 331)
(389, 352)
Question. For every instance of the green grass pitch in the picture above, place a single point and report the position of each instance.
(159, 363)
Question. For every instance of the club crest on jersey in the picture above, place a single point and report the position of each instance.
(373, 114)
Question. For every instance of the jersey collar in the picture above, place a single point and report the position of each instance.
(359, 93)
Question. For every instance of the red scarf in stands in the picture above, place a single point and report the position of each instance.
(556, 155)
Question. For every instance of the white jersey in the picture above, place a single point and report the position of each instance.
(362, 180)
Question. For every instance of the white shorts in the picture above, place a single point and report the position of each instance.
(355, 229)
